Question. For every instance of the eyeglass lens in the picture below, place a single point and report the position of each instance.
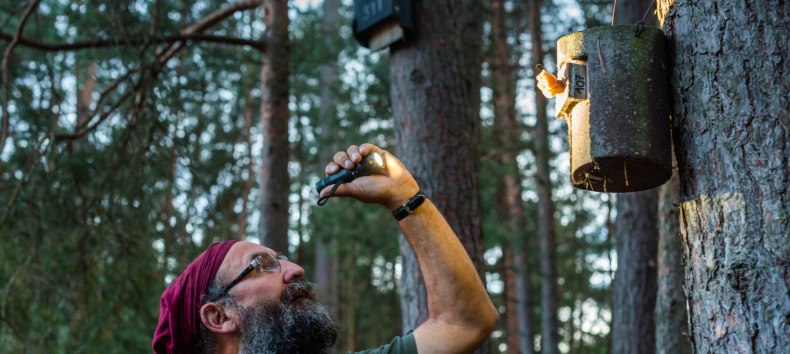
(270, 263)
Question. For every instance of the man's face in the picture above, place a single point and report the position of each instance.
(276, 312)
(257, 287)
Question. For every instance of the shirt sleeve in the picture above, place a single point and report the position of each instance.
(398, 345)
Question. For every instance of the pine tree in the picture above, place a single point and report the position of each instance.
(731, 140)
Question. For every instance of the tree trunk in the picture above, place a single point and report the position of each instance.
(671, 315)
(85, 100)
(274, 181)
(510, 206)
(732, 141)
(636, 239)
(636, 243)
(509, 298)
(548, 261)
(325, 263)
(435, 90)
(249, 182)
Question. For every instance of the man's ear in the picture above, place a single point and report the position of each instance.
(216, 319)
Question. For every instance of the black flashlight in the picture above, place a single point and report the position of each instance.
(373, 164)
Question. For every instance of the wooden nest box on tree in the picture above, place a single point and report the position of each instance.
(380, 23)
(613, 90)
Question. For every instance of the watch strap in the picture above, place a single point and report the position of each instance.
(409, 206)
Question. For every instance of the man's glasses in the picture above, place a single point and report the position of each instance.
(264, 262)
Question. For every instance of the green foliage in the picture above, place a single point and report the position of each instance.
(94, 226)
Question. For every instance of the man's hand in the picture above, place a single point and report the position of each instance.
(390, 190)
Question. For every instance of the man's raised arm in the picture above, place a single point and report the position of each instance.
(461, 314)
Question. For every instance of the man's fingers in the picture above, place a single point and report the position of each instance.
(341, 158)
(331, 168)
(354, 154)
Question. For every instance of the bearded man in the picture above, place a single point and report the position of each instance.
(241, 297)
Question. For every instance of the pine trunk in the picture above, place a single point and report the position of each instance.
(636, 243)
(274, 181)
(509, 298)
(548, 262)
(732, 141)
(325, 263)
(671, 315)
(435, 87)
(85, 100)
(510, 206)
(249, 181)
(636, 239)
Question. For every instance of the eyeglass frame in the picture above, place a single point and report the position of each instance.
(256, 263)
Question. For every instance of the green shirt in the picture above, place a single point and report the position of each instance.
(399, 345)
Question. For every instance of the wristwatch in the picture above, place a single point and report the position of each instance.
(408, 208)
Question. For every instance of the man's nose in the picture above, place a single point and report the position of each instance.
(291, 271)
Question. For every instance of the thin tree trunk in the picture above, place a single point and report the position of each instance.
(509, 276)
(435, 80)
(671, 315)
(732, 140)
(524, 290)
(350, 330)
(326, 264)
(85, 100)
(510, 206)
(249, 111)
(274, 181)
(636, 240)
(548, 261)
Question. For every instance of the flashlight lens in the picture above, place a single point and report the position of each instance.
(378, 160)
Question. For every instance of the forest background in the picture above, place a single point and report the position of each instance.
(137, 132)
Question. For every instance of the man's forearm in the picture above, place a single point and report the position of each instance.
(456, 295)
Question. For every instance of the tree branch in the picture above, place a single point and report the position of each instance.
(166, 53)
(18, 34)
(107, 43)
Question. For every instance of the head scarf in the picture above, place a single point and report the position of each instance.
(179, 318)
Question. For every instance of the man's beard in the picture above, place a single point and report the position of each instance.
(294, 324)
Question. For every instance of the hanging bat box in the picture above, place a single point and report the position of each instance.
(380, 23)
(617, 105)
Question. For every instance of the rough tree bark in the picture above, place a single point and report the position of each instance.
(636, 243)
(274, 181)
(732, 139)
(549, 297)
(435, 88)
(510, 206)
(671, 315)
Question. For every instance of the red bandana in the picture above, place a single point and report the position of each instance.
(179, 318)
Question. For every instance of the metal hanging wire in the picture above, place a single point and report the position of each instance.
(641, 24)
